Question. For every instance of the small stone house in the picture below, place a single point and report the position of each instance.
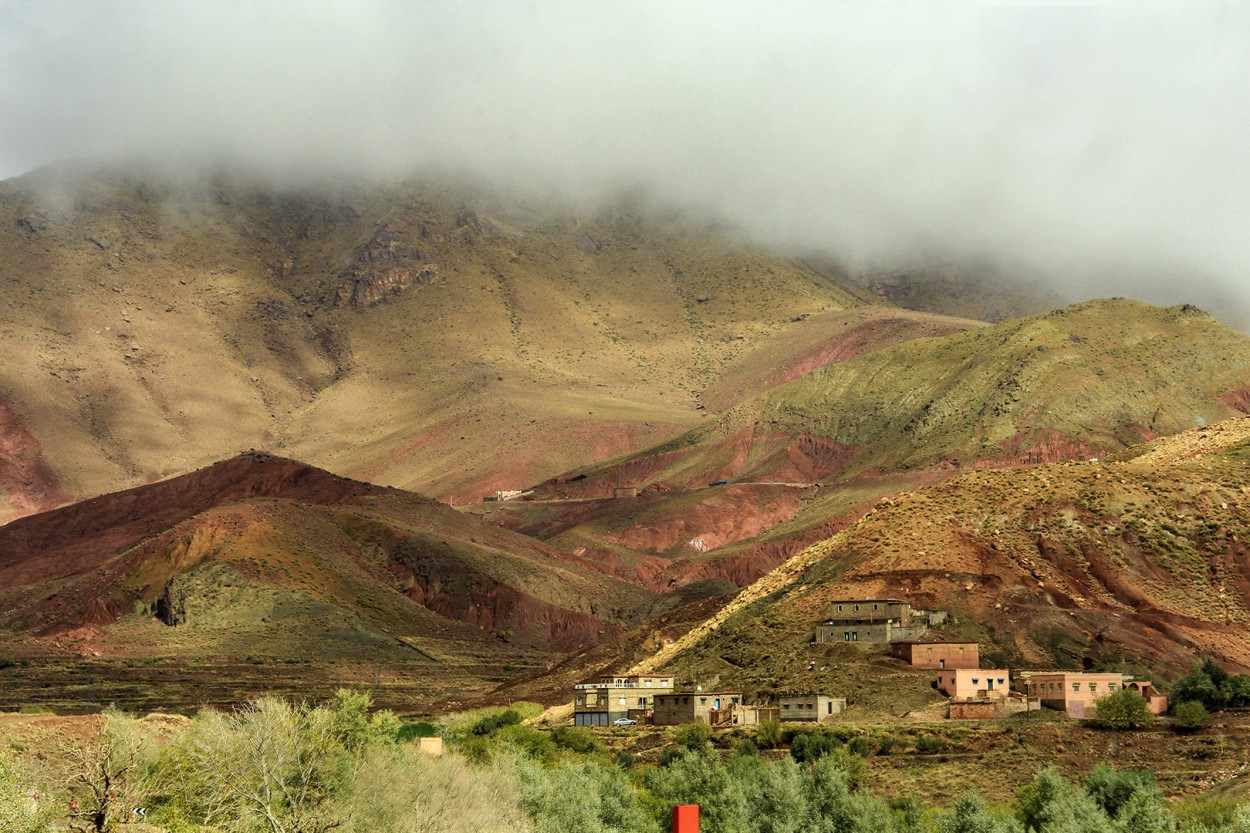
(938, 654)
(810, 707)
(712, 707)
(973, 683)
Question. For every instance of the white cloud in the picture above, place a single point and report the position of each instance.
(1103, 144)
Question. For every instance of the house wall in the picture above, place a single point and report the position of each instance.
(855, 632)
(693, 706)
(811, 707)
(975, 710)
(869, 610)
(974, 683)
(939, 654)
(1062, 690)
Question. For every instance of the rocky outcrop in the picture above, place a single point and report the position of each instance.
(382, 268)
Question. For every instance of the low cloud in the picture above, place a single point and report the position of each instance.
(1103, 147)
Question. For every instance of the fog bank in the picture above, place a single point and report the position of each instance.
(1103, 146)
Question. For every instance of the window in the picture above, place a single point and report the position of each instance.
(1076, 686)
(1110, 686)
(854, 636)
(874, 605)
(976, 680)
(1093, 687)
(579, 701)
(846, 636)
(839, 608)
(857, 608)
(648, 684)
(622, 701)
(1002, 681)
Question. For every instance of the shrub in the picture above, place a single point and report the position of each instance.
(7, 661)
(859, 746)
(807, 747)
(415, 730)
(576, 739)
(768, 734)
(746, 748)
(692, 736)
(929, 744)
(493, 722)
(1189, 716)
(1126, 709)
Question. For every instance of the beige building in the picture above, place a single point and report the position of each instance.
(1075, 693)
(609, 697)
(938, 654)
(1157, 702)
(973, 683)
(876, 621)
(711, 707)
(810, 707)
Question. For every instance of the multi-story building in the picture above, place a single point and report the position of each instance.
(876, 620)
(609, 697)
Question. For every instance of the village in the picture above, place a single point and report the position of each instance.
(972, 692)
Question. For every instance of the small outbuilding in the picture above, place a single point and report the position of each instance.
(810, 708)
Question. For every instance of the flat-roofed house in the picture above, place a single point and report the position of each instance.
(973, 683)
(810, 707)
(609, 697)
(710, 707)
(1073, 692)
(938, 654)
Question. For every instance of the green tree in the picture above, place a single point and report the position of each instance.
(970, 815)
(1189, 716)
(1197, 686)
(1126, 709)
(582, 797)
(1112, 788)
(698, 778)
(1049, 804)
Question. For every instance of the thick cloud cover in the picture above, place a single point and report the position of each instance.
(1105, 145)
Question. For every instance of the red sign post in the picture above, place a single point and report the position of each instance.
(686, 818)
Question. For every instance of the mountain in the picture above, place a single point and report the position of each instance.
(808, 457)
(426, 335)
(1134, 562)
(263, 556)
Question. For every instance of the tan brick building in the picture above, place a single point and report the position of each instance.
(1075, 693)
(973, 683)
(938, 654)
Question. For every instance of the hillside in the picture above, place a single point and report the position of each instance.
(425, 335)
(261, 556)
(806, 459)
(1135, 562)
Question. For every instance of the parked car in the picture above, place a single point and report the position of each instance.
(624, 721)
